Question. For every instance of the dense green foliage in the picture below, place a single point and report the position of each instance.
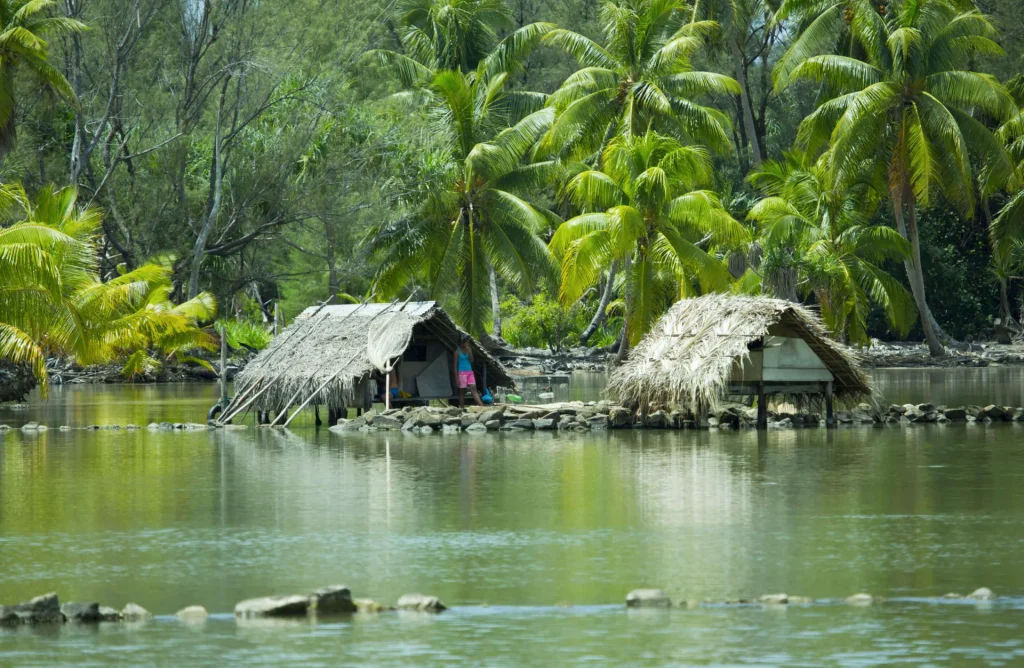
(862, 156)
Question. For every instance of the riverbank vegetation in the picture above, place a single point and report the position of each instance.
(601, 157)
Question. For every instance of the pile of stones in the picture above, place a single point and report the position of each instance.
(567, 416)
(47, 609)
(657, 598)
(908, 414)
(330, 600)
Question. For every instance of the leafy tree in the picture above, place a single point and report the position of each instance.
(544, 321)
(24, 27)
(840, 253)
(906, 110)
(470, 223)
(651, 213)
(641, 79)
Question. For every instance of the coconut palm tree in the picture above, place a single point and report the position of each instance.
(1007, 228)
(457, 35)
(908, 108)
(838, 251)
(24, 27)
(469, 222)
(641, 79)
(649, 211)
(451, 34)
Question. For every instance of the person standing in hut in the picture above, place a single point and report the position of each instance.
(462, 362)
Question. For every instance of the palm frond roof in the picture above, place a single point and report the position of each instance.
(328, 345)
(688, 357)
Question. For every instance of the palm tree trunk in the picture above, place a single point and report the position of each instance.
(495, 304)
(739, 62)
(1005, 310)
(620, 356)
(602, 306)
(916, 275)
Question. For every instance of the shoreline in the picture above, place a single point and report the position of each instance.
(532, 361)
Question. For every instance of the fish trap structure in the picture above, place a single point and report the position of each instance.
(706, 349)
(342, 356)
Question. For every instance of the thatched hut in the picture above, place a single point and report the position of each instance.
(715, 346)
(342, 354)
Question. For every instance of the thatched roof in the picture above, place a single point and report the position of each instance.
(689, 356)
(324, 340)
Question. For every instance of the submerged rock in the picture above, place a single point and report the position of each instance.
(135, 613)
(273, 606)
(108, 614)
(369, 606)
(8, 617)
(43, 609)
(648, 598)
(81, 612)
(982, 594)
(421, 603)
(333, 599)
(192, 614)
(861, 599)
(774, 599)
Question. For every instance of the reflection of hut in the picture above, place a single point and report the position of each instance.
(715, 346)
(335, 352)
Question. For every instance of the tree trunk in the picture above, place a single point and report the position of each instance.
(602, 306)
(332, 269)
(739, 62)
(916, 275)
(217, 183)
(495, 304)
(620, 356)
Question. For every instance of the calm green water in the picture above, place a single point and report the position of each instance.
(518, 523)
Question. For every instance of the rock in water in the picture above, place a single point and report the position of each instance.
(476, 428)
(192, 614)
(369, 606)
(774, 599)
(648, 598)
(421, 603)
(82, 612)
(982, 594)
(861, 599)
(620, 417)
(8, 617)
(273, 606)
(40, 610)
(135, 613)
(333, 599)
(108, 614)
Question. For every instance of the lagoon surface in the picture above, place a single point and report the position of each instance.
(509, 530)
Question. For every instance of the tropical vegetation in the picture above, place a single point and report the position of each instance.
(601, 157)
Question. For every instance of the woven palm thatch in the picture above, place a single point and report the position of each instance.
(688, 357)
(323, 341)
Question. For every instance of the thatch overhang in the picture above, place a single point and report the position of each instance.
(691, 357)
(327, 346)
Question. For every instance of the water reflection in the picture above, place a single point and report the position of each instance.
(169, 519)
